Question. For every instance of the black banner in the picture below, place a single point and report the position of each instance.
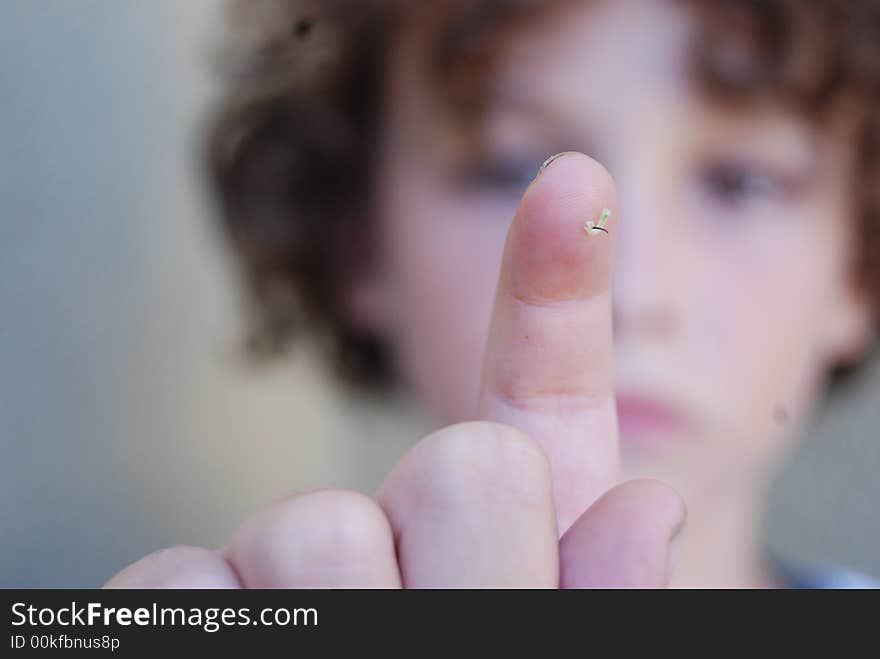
(125, 622)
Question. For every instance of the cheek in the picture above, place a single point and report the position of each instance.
(768, 288)
(445, 257)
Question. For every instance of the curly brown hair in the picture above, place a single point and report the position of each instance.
(290, 147)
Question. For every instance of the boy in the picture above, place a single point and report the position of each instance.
(368, 164)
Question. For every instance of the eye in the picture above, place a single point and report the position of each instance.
(735, 184)
(499, 175)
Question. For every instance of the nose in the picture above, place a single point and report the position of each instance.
(650, 266)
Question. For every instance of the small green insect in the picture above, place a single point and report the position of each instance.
(593, 228)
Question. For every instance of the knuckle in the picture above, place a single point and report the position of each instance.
(329, 526)
(473, 458)
(179, 565)
(183, 553)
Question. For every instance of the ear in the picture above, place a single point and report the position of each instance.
(851, 327)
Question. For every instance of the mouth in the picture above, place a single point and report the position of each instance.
(648, 420)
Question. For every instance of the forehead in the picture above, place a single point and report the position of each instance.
(600, 57)
(575, 64)
(508, 49)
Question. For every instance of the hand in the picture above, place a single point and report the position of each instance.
(485, 503)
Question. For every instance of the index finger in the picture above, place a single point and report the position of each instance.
(548, 366)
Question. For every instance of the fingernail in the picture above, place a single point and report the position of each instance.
(674, 551)
(551, 160)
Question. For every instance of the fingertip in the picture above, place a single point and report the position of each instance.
(551, 253)
(588, 171)
(668, 505)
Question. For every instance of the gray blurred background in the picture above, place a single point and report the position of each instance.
(127, 419)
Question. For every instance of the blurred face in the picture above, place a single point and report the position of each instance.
(732, 282)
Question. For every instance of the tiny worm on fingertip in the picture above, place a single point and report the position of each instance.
(593, 228)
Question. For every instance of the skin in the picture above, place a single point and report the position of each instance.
(474, 504)
(721, 292)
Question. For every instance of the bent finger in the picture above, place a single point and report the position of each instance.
(627, 539)
(327, 539)
(471, 506)
(178, 567)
